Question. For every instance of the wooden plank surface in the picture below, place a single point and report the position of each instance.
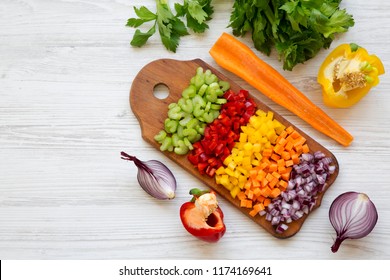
(66, 68)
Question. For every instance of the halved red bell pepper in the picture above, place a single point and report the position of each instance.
(202, 216)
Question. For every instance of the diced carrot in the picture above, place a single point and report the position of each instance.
(253, 212)
(241, 195)
(264, 182)
(281, 162)
(260, 198)
(289, 146)
(275, 193)
(305, 149)
(282, 142)
(256, 192)
(269, 177)
(285, 176)
(275, 157)
(266, 191)
(283, 184)
(290, 130)
(273, 183)
(295, 134)
(299, 141)
(286, 155)
(289, 163)
(299, 149)
(267, 152)
(281, 169)
(276, 175)
(272, 167)
(256, 209)
(295, 158)
(266, 202)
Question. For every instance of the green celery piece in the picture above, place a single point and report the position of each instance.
(175, 139)
(166, 144)
(175, 113)
(171, 126)
(193, 123)
(224, 85)
(202, 90)
(160, 136)
(187, 118)
(186, 105)
(181, 148)
(189, 92)
(187, 142)
(198, 111)
(208, 117)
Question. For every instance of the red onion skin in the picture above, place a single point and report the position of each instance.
(338, 210)
(336, 245)
(152, 175)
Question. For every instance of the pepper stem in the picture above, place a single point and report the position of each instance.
(354, 47)
(197, 193)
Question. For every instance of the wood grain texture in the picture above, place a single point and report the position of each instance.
(66, 68)
(151, 112)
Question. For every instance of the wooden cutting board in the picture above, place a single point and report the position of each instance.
(152, 111)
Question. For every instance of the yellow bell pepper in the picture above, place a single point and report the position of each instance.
(348, 74)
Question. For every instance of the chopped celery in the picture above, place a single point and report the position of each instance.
(181, 148)
(160, 136)
(187, 119)
(166, 145)
(224, 85)
(171, 125)
(189, 92)
(186, 105)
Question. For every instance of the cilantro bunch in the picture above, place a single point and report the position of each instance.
(168, 24)
(298, 29)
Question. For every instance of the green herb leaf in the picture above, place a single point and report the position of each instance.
(298, 29)
(140, 39)
(196, 11)
(144, 16)
(144, 13)
(170, 26)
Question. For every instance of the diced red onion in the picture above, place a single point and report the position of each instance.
(308, 179)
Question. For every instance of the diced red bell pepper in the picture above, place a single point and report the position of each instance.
(220, 136)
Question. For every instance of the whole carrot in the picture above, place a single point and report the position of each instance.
(239, 59)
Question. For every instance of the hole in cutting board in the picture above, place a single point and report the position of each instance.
(161, 91)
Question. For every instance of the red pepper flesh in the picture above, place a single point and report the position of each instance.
(210, 229)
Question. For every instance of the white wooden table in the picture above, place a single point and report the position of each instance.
(66, 68)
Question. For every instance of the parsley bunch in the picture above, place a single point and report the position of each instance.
(169, 25)
(298, 29)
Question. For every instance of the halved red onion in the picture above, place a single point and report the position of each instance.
(353, 215)
(154, 177)
(308, 179)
